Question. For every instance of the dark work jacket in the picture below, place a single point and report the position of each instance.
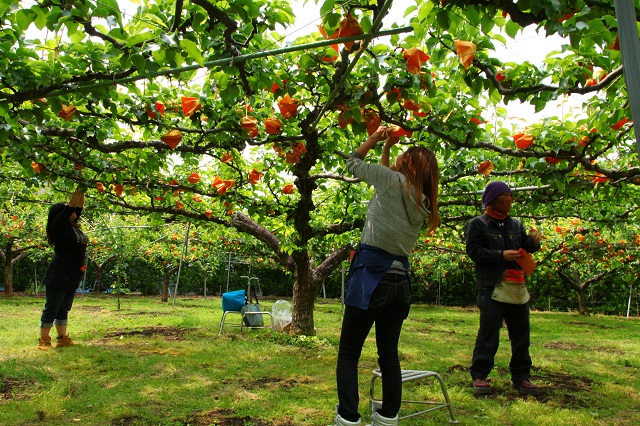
(70, 245)
(486, 239)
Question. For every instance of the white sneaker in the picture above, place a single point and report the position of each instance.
(339, 421)
(378, 420)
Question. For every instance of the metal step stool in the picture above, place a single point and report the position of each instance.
(409, 376)
(242, 325)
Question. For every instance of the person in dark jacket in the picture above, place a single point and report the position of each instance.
(493, 242)
(65, 270)
(405, 198)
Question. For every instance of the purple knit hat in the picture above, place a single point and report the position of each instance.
(493, 191)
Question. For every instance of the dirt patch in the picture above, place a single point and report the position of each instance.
(88, 308)
(565, 346)
(125, 421)
(564, 390)
(427, 329)
(228, 417)
(584, 324)
(265, 382)
(556, 389)
(142, 313)
(169, 333)
(14, 389)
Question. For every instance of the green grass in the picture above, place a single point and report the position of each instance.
(155, 364)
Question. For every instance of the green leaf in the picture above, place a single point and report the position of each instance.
(500, 38)
(423, 13)
(442, 18)
(365, 23)
(139, 62)
(111, 8)
(332, 21)
(473, 15)
(310, 80)
(327, 7)
(487, 23)
(24, 18)
(512, 29)
(41, 19)
(581, 25)
(140, 38)
(221, 78)
(193, 50)
(159, 56)
(251, 7)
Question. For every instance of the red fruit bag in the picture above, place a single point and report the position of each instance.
(525, 261)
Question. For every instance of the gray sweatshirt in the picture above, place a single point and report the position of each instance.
(393, 218)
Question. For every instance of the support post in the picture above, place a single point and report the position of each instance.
(184, 250)
(630, 50)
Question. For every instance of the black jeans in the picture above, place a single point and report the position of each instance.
(388, 308)
(57, 307)
(492, 314)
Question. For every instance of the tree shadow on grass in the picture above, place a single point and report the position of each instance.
(170, 333)
(561, 390)
(228, 417)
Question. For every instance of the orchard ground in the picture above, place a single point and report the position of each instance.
(163, 364)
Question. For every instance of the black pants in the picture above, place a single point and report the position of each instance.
(492, 314)
(388, 308)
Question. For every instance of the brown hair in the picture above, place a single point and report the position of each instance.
(420, 167)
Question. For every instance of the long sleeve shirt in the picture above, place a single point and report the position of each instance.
(394, 216)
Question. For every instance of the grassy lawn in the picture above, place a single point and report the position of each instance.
(158, 364)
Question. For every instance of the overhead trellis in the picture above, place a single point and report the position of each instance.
(218, 62)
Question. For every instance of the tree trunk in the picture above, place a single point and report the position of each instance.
(96, 286)
(164, 298)
(582, 300)
(8, 277)
(304, 296)
(581, 288)
(8, 269)
(99, 270)
(166, 279)
(306, 283)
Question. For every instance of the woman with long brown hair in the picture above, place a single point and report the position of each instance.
(379, 291)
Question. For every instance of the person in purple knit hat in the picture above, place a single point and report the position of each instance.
(494, 241)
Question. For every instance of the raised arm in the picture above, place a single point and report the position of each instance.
(386, 150)
(371, 141)
(77, 199)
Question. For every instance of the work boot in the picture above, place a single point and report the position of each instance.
(339, 421)
(525, 387)
(64, 341)
(44, 344)
(378, 420)
(481, 386)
